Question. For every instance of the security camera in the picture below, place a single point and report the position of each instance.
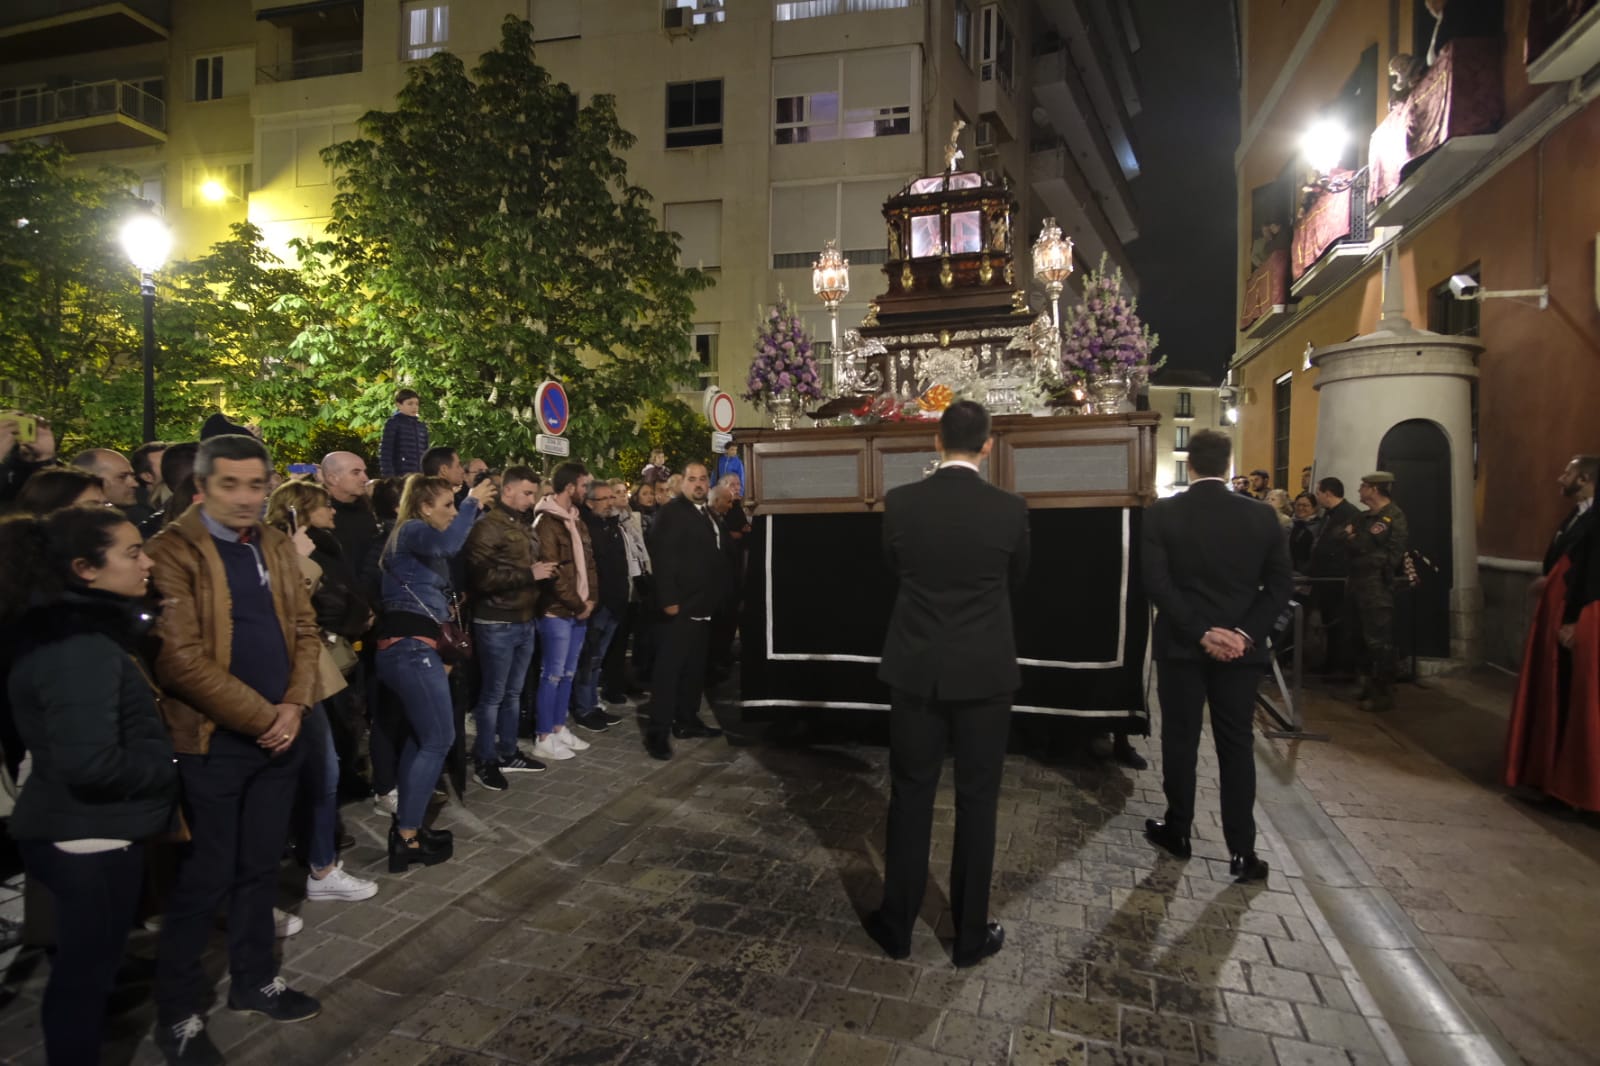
(1464, 287)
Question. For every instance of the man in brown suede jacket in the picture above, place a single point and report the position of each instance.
(237, 669)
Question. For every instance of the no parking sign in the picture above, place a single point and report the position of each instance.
(550, 404)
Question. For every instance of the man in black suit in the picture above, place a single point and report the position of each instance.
(1216, 566)
(1330, 565)
(686, 557)
(959, 547)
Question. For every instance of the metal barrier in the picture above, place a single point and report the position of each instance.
(1291, 724)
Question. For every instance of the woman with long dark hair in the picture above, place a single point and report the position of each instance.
(418, 601)
(73, 590)
(305, 511)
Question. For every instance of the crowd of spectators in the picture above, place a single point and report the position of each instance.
(206, 657)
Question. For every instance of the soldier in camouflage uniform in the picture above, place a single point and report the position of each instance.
(1376, 541)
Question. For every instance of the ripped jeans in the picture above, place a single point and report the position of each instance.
(560, 644)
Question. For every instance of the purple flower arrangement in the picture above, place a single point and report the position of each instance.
(1102, 334)
(783, 363)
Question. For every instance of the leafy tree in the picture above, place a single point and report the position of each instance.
(486, 237)
(674, 427)
(71, 334)
(69, 312)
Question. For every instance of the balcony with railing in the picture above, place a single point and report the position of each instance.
(87, 118)
(1058, 87)
(313, 65)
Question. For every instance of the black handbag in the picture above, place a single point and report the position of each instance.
(455, 639)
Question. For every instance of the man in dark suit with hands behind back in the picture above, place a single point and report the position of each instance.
(959, 547)
(1216, 567)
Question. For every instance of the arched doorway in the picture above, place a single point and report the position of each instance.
(1417, 453)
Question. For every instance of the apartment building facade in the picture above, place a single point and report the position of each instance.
(1471, 154)
(764, 127)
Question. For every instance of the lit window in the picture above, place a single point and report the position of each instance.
(217, 184)
(801, 119)
(426, 27)
(964, 30)
(694, 114)
(792, 10)
(832, 97)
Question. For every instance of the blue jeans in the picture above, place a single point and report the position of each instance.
(319, 787)
(415, 674)
(560, 642)
(586, 686)
(504, 650)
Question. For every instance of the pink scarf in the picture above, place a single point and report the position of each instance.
(549, 506)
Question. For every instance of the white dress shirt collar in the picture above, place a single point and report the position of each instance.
(960, 462)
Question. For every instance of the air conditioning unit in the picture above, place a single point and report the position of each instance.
(678, 21)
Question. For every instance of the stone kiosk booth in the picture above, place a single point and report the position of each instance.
(818, 594)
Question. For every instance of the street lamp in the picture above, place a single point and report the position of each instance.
(1052, 264)
(1323, 144)
(830, 280)
(146, 242)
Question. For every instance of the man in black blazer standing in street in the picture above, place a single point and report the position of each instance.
(959, 547)
(1216, 567)
(690, 585)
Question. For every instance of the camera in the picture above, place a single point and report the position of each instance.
(1464, 287)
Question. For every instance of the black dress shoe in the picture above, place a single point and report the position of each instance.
(994, 937)
(658, 746)
(1122, 751)
(1247, 869)
(1164, 836)
(878, 930)
(694, 729)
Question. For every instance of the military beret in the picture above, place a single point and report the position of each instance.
(1378, 477)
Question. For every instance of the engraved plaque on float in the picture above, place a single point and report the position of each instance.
(1070, 468)
(816, 477)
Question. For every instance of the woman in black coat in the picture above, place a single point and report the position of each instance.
(73, 587)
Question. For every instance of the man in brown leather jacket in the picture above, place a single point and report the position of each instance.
(237, 669)
(502, 578)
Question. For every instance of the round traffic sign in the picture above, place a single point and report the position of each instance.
(550, 402)
(721, 411)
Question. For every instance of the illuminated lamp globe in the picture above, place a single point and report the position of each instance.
(830, 275)
(1323, 144)
(146, 241)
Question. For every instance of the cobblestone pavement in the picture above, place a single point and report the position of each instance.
(617, 910)
(1505, 893)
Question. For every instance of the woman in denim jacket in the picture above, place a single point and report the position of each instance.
(417, 597)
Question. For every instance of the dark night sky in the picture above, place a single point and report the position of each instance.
(1185, 136)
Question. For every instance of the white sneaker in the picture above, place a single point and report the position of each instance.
(285, 924)
(337, 884)
(572, 740)
(550, 747)
(387, 802)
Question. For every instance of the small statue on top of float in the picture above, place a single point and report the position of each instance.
(952, 151)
